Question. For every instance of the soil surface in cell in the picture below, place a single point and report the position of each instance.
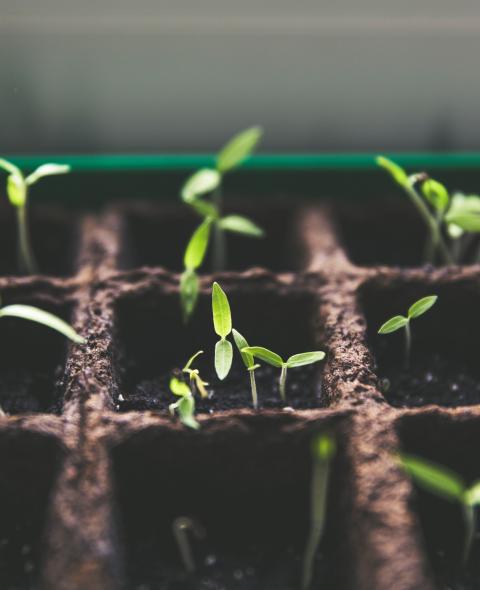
(30, 390)
(449, 575)
(431, 380)
(18, 557)
(303, 391)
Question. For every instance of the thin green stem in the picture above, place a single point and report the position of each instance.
(435, 236)
(219, 243)
(253, 386)
(469, 519)
(180, 527)
(26, 259)
(408, 345)
(318, 508)
(283, 383)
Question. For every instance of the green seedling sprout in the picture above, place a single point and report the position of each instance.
(399, 321)
(194, 193)
(444, 215)
(447, 485)
(180, 527)
(272, 358)
(194, 375)
(323, 451)
(18, 187)
(185, 406)
(222, 323)
(249, 362)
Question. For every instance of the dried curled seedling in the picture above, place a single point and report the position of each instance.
(196, 381)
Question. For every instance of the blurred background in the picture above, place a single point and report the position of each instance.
(178, 75)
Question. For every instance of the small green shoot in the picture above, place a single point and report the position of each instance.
(195, 380)
(399, 321)
(222, 323)
(323, 451)
(447, 485)
(249, 362)
(18, 187)
(194, 192)
(297, 360)
(180, 527)
(185, 406)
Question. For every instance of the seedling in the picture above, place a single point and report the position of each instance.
(249, 362)
(18, 187)
(222, 323)
(180, 527)
(442, 214)
(399, 321)
(323, 451)
(209, 181)
(195, 380)
(447, 485)
(297, 360)
(185, 406)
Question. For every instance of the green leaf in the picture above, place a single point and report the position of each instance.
(189, 289)
(223, 358)
(241, 344)
(466, 221)
(238, 148)
(240, 225)
(28, 312)
(265, 355)
(434, 478)
(397, 173)
(191, 359)
(202, 182)
(436, 194)
(222, 319)
(324, 447)
(421, 306)
(186, 411)
(47, 170)
(10, 168)
(305, 358)
(179, 388)
(197, 246)
(472, 495)
(393, 324)
(16, 190)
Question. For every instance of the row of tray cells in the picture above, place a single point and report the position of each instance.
(248, 489)
(150, 342)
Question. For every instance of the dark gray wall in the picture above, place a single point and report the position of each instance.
(125, 75)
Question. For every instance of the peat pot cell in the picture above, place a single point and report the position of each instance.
(28, 466)
(443, 364)
(32, 362)
(249, 491)
(54, 235)
(158, 237)
(152, 342)
(381, 232)
(451, 442)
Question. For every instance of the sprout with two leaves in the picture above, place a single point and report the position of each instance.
(18, 187)
(447, 485)
(400, 322)
(185, 406)
(296, 360)
(194, 192)
(446, 217)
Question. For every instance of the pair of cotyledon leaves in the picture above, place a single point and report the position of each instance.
(417, 309)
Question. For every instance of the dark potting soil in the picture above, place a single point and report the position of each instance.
(224, 571)
(19, 558)
(432, 380)
(30, 390)
(450, 575)
(303, 391)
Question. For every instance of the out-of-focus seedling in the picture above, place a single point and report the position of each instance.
(323, 451)
(296, 360)
(195, 380)
(447, 485)
(446, 217)
(399, 321)
(209, 181)
(181, 526)
(222, 323)
(249, 362)
(18, 187)
(185, 406)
